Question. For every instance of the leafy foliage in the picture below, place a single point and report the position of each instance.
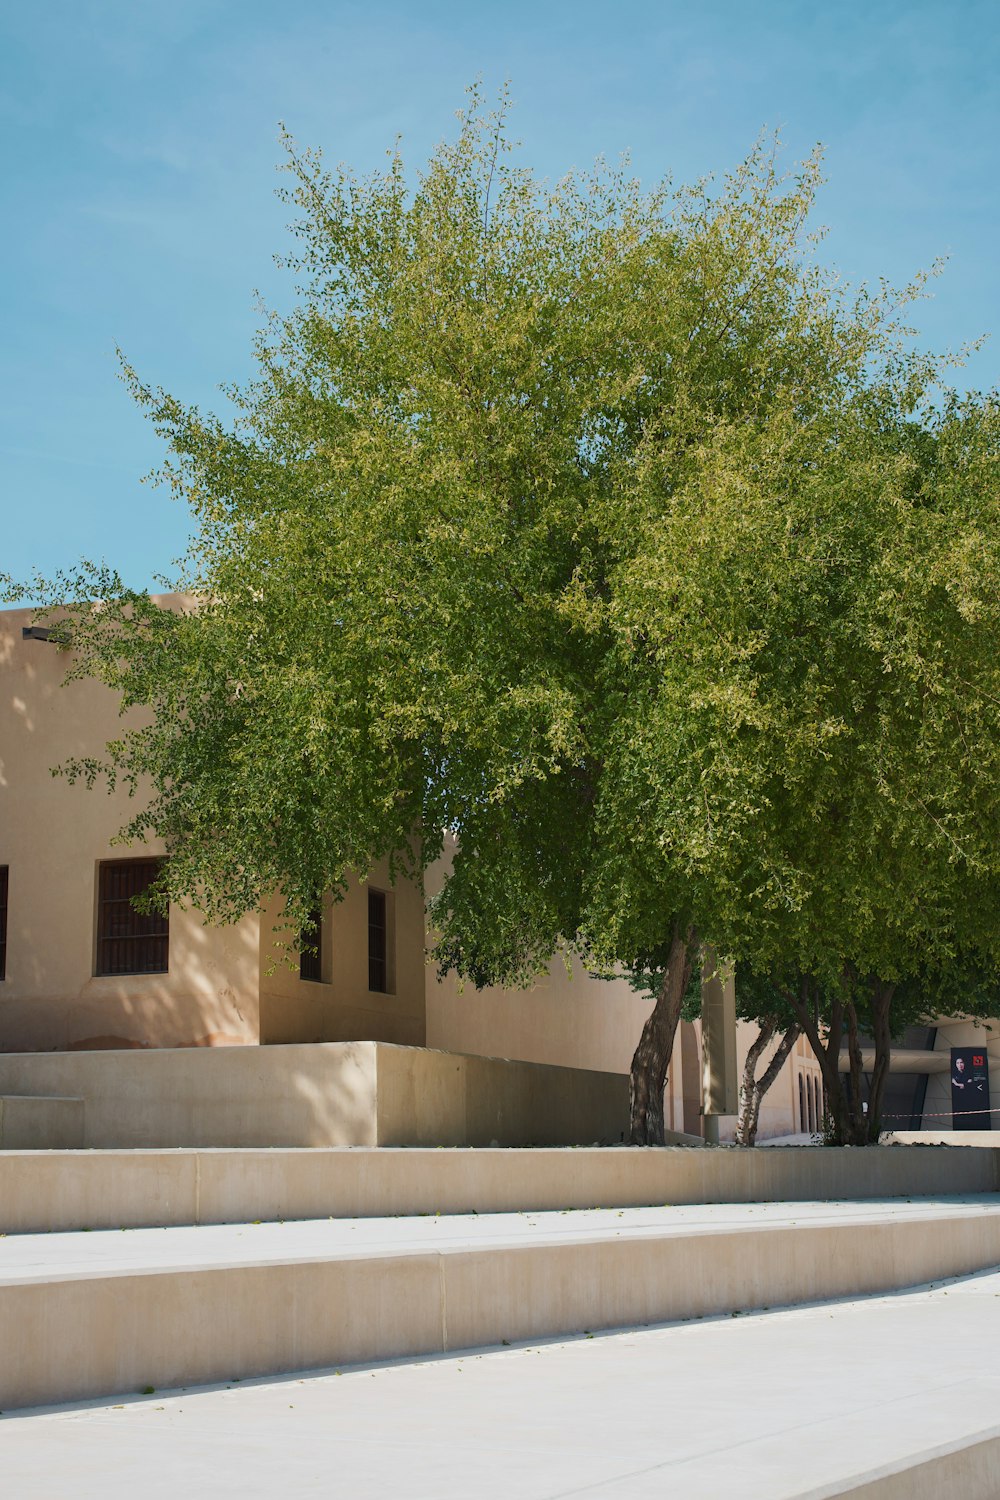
(606, 530)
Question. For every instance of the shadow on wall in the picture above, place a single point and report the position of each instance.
(222, 1097)
(207, 998)
(334, 1086)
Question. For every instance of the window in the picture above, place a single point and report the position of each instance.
(802, 1104)
(811, 1102)
(378, 976)
(129, 941)
(3, 921)
(819, 1105)
(311, 943)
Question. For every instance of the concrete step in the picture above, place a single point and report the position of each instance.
(65, 1190)
(85, 1315)
(38, 1122)
(770, 1406)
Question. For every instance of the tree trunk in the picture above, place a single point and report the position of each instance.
(828, 1056)
(648, 1075)
(849, 1123)
(746, 1120)
(753, 1089)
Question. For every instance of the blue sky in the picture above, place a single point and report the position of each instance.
(139, 146)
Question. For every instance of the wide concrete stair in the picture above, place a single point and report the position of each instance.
(385, 1254)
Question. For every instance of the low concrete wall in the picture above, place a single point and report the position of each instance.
(430, 1098)
(225, 1096)
(322, 1094)
(65, 1190)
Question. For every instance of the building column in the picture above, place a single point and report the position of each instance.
(720, 1082)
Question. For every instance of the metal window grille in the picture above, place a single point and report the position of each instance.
(3, 921)
(311, 944)
(377, 966)
(129, 941)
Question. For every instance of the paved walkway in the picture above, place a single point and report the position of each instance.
(768, 1406)
(28, 1256)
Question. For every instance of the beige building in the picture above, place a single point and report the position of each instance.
(80, 969)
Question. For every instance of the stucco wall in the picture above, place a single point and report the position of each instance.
(52, 836)
(582, 1022)
(340, 1007)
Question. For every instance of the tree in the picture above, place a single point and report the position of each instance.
(761, 1002)
(603, 528)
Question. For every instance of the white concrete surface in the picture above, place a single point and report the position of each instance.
(769, 1406)
(27, 1257)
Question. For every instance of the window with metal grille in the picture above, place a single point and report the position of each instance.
(377, 966)
(129, 941)
(3, 921)
(311, 944)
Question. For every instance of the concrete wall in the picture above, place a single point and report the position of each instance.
(52, 836)
(30, 1124)
(567, 1017)
(325, 1094)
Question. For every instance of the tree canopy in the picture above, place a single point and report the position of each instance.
(607, 529)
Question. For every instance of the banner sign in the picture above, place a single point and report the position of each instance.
(970, 1089)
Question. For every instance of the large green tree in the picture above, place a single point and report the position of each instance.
(603, 528)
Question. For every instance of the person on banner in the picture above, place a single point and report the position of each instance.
(970, 1089)
(967, 1081)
